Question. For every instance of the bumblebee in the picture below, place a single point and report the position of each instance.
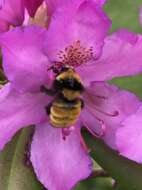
(67, 104)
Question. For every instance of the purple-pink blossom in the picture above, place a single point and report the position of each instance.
(129, 136)
(140, 15)
(12, 12)
(28, 53)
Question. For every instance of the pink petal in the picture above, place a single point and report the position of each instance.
(19, 110)
(12, 12)
(110, 105)
(84, 21)
(32, 6)
(141, 15)
(121, 57)
(129, 137)
(4, 26)
(24, 63)
(59, 164)
(53, 5)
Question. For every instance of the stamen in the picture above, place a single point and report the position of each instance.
(103, 126)
(75, 55)
(90, 102)
(103, 129)
(83, 143)
(113, 114)
(101, 97)
(56, 67)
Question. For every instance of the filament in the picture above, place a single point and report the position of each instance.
(113, 114)
(103, 130)
(103, 126)
(101, 97)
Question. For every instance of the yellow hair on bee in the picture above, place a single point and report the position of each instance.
(70, 73)
(70, 94)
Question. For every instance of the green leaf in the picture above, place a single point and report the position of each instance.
(127, 173)
(95, 184)
(15, 175)
(124, 14)
(133, 84)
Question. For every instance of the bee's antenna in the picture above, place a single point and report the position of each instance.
(49, 68)
(54, 69)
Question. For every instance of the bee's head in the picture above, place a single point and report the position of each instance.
(58, 68)
(68, 82)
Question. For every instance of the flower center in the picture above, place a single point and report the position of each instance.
(75, 55)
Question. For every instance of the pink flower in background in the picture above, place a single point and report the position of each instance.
(52, 5)
(141, 15)
(129, 136)
(27, 54)
(12, 12)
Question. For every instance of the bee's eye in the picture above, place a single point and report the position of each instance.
(58, 84)
(68, 82)
(72, 84)
(63, 69)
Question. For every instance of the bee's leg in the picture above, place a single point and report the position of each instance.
(82, 103)
(47, 108)
(49, 92)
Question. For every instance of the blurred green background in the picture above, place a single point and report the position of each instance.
(15, 176)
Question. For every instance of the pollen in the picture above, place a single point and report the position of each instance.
(75, 55)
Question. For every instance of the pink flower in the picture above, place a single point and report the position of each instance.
(12, 12)
(140, 15)
(129, 136)
(79, 28)
(52, 5)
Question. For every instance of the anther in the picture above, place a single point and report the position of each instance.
(75, 54)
